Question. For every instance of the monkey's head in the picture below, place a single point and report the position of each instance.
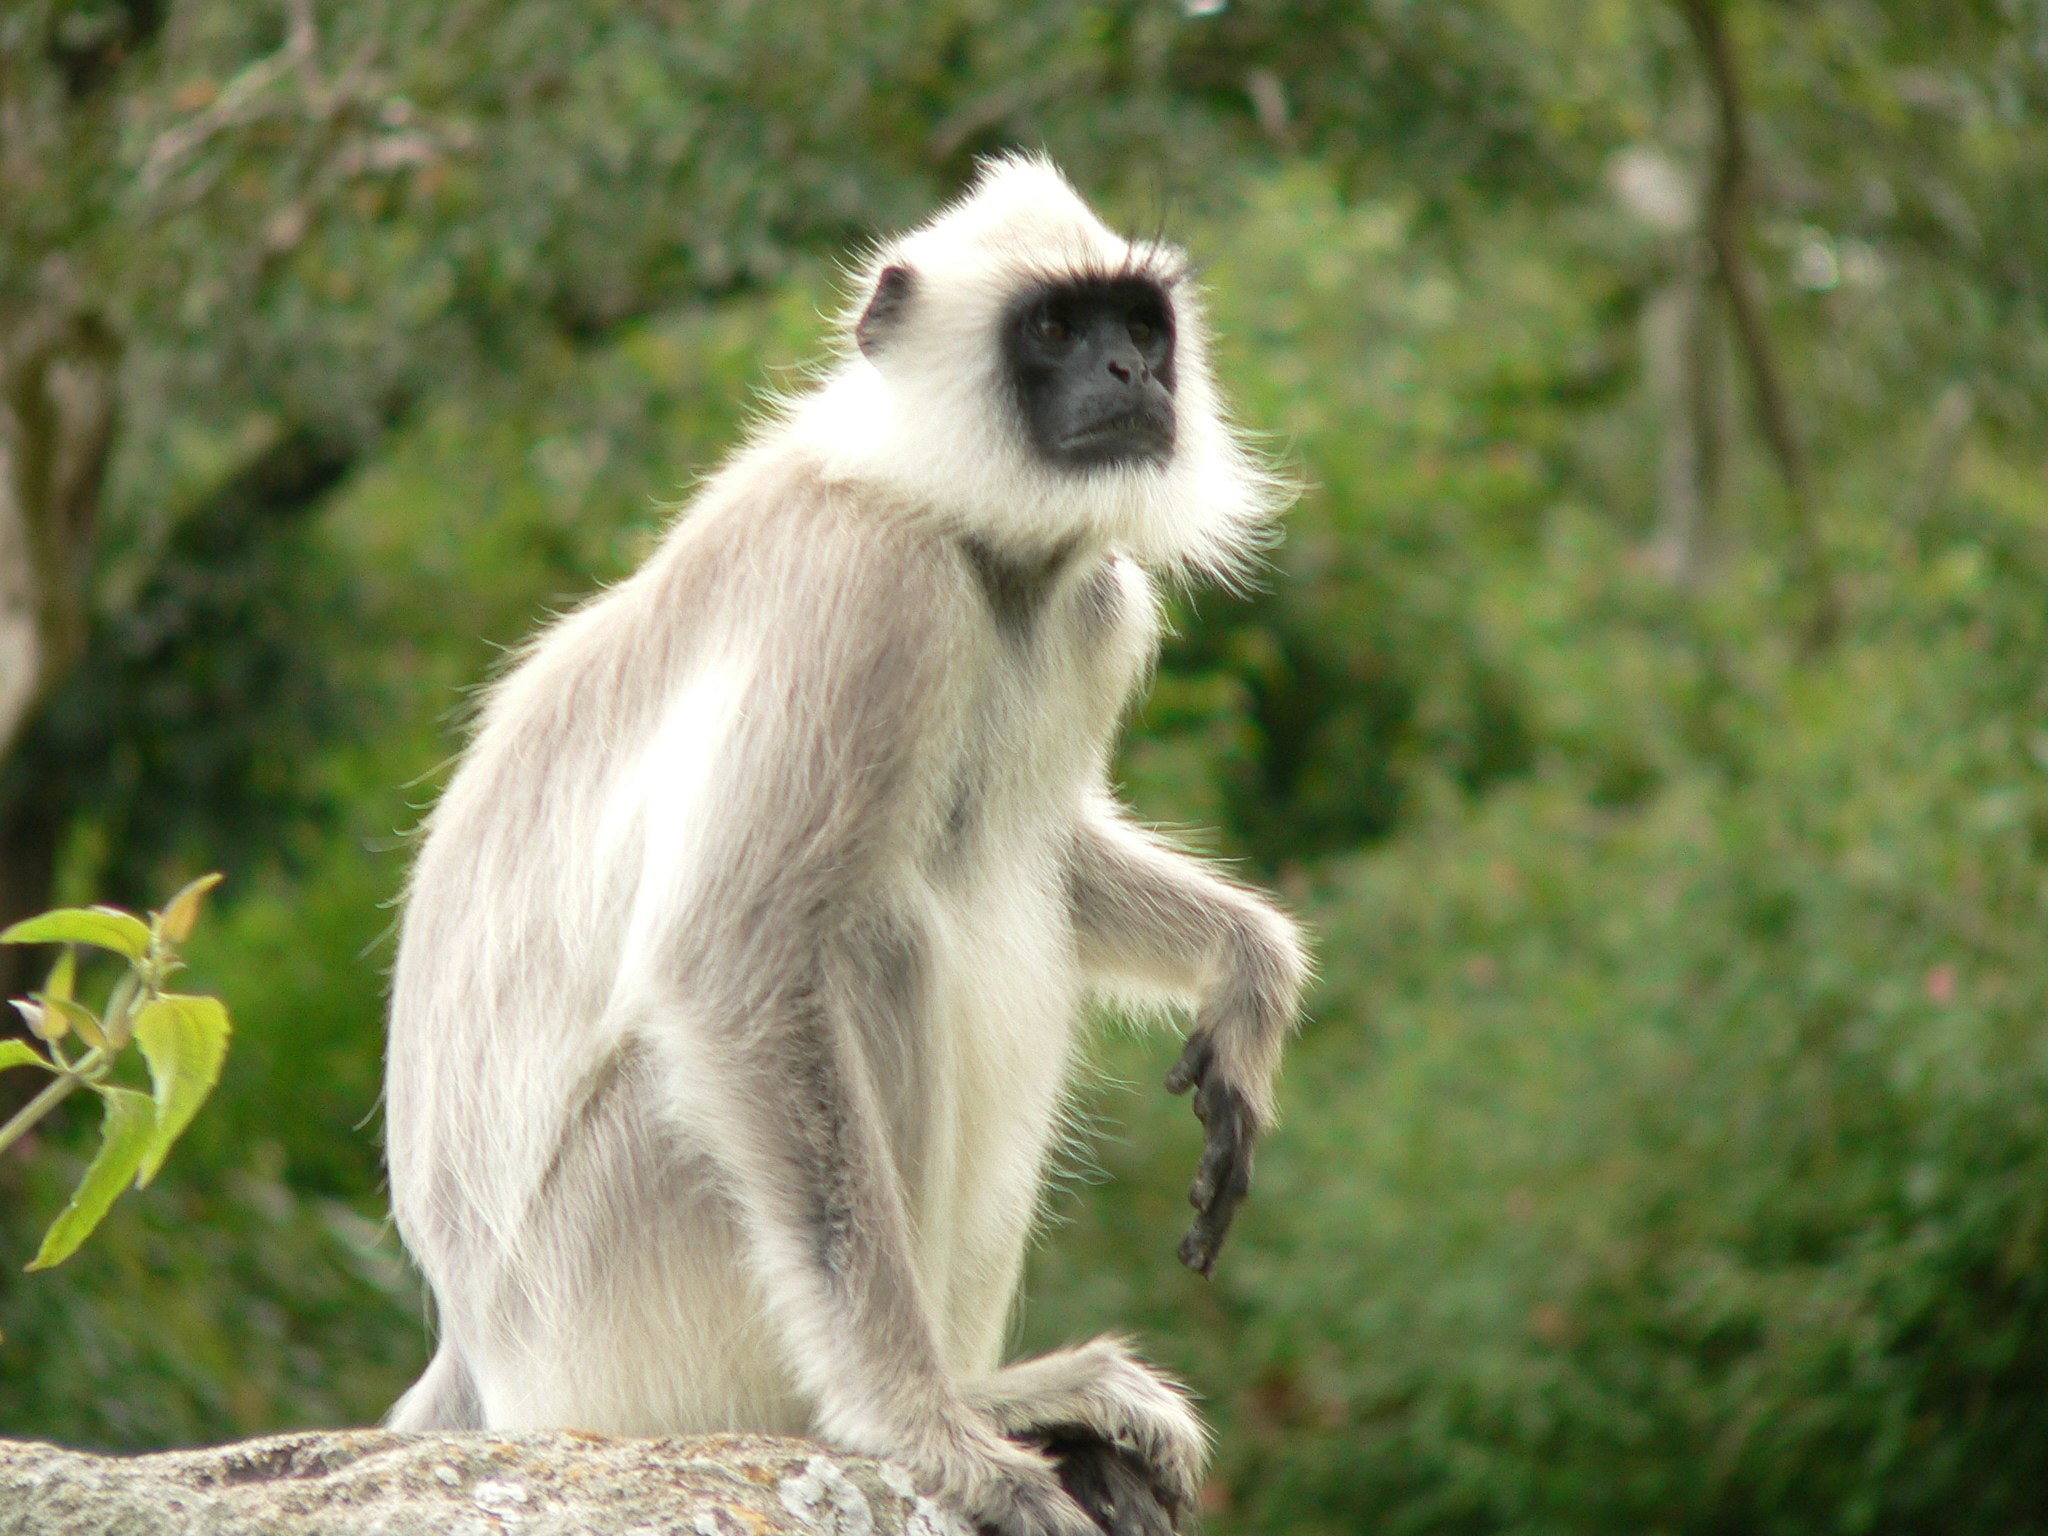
(1018, 366)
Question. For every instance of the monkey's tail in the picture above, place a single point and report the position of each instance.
(445, 1396)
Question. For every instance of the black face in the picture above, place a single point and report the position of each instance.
(1092, 366)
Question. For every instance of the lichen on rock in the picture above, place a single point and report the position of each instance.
(379, 1483)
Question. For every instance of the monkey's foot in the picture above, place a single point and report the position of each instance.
(1113, 1486)
(1099, 1395)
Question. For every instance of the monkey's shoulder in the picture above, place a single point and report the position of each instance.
(776, 535)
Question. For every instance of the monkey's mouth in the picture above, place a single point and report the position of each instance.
(1135, 436)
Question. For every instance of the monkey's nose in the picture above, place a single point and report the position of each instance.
(1120, 370)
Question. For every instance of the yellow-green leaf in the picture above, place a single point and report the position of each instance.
(102, 927)
(41, 1022)
(63, 975)
(16, 1053)
(124, 1138)
(184, 1039)
(76, 1016)
(182, 910)
(119, 1018)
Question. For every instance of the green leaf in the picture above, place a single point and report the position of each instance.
(103, 927)
(16, 1053)
(184, 1039)
(124, 1138)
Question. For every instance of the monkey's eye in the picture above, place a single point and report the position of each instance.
(1053, 328)
(1142, 331)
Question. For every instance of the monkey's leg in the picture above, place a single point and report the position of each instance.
(1148, 914)
(791, 1117)
(1116, 1427)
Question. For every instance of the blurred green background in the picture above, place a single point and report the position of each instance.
(1648, 709)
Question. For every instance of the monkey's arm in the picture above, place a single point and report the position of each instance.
(1148, 914)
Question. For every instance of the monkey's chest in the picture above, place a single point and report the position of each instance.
(1031, 747)
(977, 1101)
(978, 1106)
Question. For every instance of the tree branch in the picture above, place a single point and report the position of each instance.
(240, 101)
(1727, 219)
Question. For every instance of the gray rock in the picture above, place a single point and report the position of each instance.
(372, 1482)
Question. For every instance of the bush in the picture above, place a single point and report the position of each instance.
(1670, 1148)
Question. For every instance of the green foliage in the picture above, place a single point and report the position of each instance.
(185, 1041)
(183, 1038)
(127, 1127)
(228, 1303)
(1669, 1165)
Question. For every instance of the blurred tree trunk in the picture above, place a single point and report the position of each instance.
(1953, 413)
(57, 414)
(59, 364)
(1685, 362)
(1671, 333)
(1726, 229)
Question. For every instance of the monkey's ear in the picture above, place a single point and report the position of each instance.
(885, 311)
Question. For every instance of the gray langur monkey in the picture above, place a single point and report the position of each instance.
(741, 966)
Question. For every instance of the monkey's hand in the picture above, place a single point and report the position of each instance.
(1229, 1129)
(1147, 913)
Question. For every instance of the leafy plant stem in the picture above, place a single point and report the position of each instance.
(53, 1095)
